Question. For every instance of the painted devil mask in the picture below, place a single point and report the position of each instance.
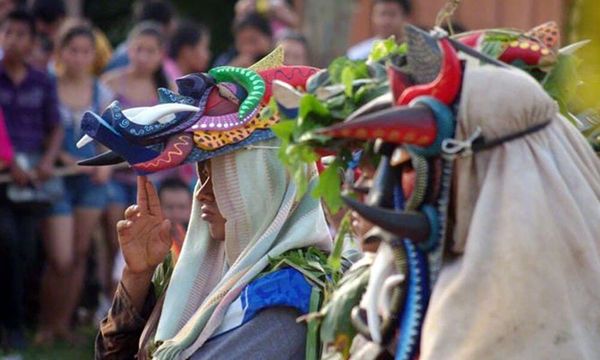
(212, 114)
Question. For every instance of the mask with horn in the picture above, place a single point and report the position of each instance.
(212, 114)
(415, 120)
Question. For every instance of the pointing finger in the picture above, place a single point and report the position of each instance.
(153, 201)
(142, 196)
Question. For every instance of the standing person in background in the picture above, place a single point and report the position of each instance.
(133, 85)
(253, 39)
(49, 16)
(189, 50)
(157, 11)
(41, 54)
(28, 99)
(387, 19)
(71, 220)
(295, 48)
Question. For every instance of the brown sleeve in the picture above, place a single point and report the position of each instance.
(120, 331)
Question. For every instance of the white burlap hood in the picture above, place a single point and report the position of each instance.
(527, 282)
(257, 197)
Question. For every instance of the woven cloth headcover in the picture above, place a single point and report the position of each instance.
(256, 196)
(528, 230)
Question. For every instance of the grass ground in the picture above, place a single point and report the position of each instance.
(63, 350)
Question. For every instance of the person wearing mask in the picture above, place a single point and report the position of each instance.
(253, 39)
(71, 220)
(189, 50)
(29, 102)
(387, 19)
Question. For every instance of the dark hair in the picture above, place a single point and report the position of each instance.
(149, 28)
(295, 36)
(186, 34)
(256, 21)
(406, 5)
(173, 183)
(75, 31)
(155, 10)
(22, 16)
(48, 11)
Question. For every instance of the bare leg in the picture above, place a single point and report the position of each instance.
(58, 243)
(84, 222)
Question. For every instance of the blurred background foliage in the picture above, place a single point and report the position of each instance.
(585, 24)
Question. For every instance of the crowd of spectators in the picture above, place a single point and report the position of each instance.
(58, 241)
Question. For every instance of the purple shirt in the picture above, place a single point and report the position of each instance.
(30, 109)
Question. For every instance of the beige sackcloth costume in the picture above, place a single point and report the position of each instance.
(526, 283)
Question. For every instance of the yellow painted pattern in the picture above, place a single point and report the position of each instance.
(213, 140)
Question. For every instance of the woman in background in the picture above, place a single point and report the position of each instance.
(69, 226)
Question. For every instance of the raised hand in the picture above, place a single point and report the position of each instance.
(144, 235)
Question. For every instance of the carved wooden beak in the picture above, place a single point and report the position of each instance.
(414, 226)
(398, 125)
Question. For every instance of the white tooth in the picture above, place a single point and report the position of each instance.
(132, 112)
(86, 139)
(166, 119)
(155, 113)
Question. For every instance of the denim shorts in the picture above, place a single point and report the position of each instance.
(80, 192)
(121, 193)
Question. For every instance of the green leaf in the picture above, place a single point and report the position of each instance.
(284, 129)
(329, 186)
(347, 79)
(386, 48)
(335, 258)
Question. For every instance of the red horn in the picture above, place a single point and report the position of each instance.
(399, 81)
(446, 85)
(399, 125)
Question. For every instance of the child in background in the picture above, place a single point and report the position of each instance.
(28, 99)
(69, 226)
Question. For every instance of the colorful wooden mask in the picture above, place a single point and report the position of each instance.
(212, 114)
(533, 51)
